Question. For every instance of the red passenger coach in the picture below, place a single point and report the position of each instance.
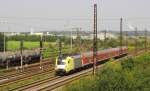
(87, 58)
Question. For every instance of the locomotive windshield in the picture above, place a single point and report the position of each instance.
(61, 61)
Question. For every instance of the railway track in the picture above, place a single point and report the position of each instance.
(26, 69)
(6, 85)
(53, 84)
(134, 53)
(26, 75)
(29, 87)
(29, 69)
(62, 82)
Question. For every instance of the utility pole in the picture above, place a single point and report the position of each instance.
(136, 35)
(145, 39)
(121, 36)
(95, 39)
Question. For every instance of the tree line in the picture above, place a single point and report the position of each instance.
(34, 38)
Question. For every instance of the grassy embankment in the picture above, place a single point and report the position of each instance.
(129, 74)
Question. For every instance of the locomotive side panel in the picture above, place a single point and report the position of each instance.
(77, 63)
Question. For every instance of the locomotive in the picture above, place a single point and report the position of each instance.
(65, 65)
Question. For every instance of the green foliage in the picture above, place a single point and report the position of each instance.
(15, 45)
(34, 38)
(130, 74)
(128, 63)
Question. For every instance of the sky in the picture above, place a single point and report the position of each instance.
(47, 15)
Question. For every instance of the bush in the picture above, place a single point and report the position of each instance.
(128, 63)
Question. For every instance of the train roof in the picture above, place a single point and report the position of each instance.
(76, 56)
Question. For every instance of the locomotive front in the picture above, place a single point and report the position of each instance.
(60, 66)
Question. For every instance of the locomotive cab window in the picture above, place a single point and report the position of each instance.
(61, 61)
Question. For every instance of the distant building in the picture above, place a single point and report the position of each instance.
(99, 36)
(102, 37)
(12, 33)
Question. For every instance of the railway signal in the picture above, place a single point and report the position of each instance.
(95, 39)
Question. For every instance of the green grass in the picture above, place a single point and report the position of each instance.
(15, 45)
(51, 48)
(129, 74)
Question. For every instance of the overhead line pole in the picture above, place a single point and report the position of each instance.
(95, 39)
(21, 56)
(121, 36)
(136, 35)
(145, 39)
(60, 47)
(41, 49)
(4, 50)
(71, 41)
(127, 38)
(105, 31)
(7, 62)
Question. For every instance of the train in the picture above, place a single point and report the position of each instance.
(14, 58)
(65, 65)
